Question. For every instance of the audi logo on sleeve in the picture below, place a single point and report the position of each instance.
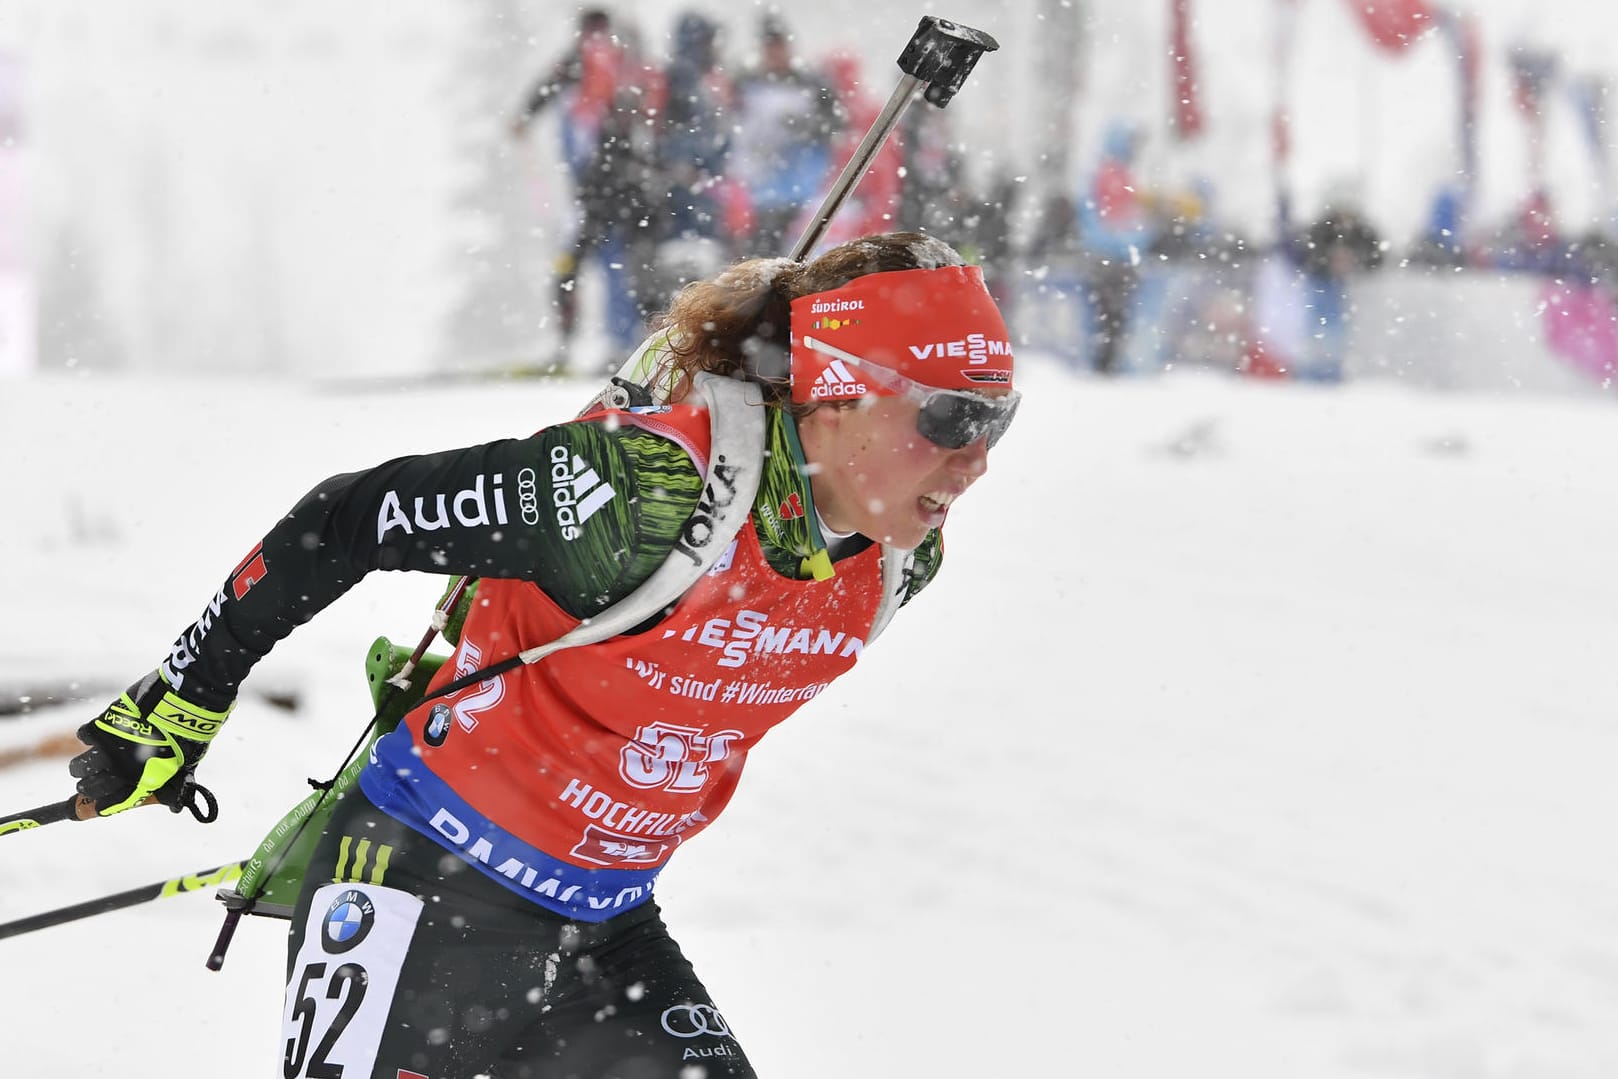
(695, 1021)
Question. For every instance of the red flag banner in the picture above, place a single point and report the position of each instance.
(1394, 24)
(1187, 111)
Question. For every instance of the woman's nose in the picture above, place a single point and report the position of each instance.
(971, 459)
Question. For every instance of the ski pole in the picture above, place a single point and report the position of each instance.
(940, 55)
(190, 882)
(76, 807)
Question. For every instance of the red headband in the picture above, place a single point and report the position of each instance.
(939, 327)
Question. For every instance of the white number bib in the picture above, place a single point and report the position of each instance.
(343, 979)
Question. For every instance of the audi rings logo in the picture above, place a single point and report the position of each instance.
(695, 1020)
(528, 495)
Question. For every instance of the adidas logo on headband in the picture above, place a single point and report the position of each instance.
(836, 381)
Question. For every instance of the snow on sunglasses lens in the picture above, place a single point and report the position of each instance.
(949, 419)
(956, 418)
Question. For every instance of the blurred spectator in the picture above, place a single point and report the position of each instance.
(1052, 287)
(1441, 243)
(874, 204)
(613, 93)
(934, 171)
(1332, 250)
(1595, 260)
(986, 233)
(1181, 221)
(1530, 241)
(694, 147)
(582, 81)
(1116, 232)
(1193, 304)
(697, 223)
(1056, 231)
(787, 119)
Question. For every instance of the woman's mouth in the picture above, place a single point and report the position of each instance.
(934, 507)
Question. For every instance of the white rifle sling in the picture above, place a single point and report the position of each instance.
(896, 566)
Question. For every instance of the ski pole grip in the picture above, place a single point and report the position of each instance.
(942, 54)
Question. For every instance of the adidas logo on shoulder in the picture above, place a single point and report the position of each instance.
(836, 381)
(577, 491)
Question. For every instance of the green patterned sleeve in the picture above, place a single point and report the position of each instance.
(612, 503)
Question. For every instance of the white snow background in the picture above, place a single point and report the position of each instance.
(1252, 730)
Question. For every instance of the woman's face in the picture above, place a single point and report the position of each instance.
(873, 473)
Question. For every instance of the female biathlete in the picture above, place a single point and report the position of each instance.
(482, 902)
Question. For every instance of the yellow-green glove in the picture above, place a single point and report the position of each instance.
(146, 744)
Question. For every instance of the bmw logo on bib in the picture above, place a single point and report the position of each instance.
(348, 921)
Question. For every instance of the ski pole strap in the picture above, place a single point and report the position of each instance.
(200, 802)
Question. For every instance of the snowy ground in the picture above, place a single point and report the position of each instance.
(1255, 731)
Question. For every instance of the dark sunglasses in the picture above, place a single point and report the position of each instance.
(949, 419)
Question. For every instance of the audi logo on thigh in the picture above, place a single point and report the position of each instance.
(695, 1020)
